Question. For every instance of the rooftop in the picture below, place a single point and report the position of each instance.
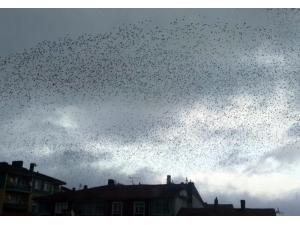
(5, 167)
(225, 210)
(141, 191)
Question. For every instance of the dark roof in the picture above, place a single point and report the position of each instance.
(5, 167)
(220, 206)
(65, 189)
(17, 214)
(225, 211)
(118, 192)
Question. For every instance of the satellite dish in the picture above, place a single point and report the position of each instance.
(183, 193)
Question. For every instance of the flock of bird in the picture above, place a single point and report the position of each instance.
(128, 87)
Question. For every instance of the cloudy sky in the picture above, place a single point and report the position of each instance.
(207, 94)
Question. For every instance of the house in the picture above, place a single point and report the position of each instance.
(19, 185)
(123, 200)
(217, 209)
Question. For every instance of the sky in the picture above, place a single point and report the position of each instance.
(210, 95)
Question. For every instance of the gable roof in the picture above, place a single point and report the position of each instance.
(120, 192)
(225, 211)
(5, 167)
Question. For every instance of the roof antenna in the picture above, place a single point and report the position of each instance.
(132, 179)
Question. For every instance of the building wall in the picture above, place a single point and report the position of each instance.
(10, 193)
(41, 190)
(178, 204)
(1, 199)
(32, 195)
(11, 178)
(2, 180)
(128, 207)
(196, 203)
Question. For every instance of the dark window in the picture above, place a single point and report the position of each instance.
(117, 208)
(161, 207)
(139, 208)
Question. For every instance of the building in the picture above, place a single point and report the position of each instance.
(217, 209)
(123, 200)
(19, 185)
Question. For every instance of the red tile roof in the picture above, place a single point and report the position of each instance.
(118, 192)
(5, 167)
(225, 211)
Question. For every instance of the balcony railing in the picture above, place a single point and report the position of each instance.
(18, 188)
(15, 206)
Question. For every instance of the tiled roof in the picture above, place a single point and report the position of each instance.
(118, 192)
(5, 167)
(225, 211)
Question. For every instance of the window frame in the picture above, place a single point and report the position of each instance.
(22, 183)
(16, 181)
(36, 181)
(113, 212)
(60, 203)
(47, 184)
(162, 203)
(134, 208)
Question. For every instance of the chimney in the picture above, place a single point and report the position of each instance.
(216, 204)
(74, 189)
(85, 187)
(111, 182)
(31, 168)
(169, 179)
(243, 204)
(17, 164)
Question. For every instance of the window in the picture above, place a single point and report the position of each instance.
(15, 198)
(161, 207)
(15, 183)
(22, 183)
(37, 184)
(60, 206)
(117, 208)
(44, 207)
(46, 186)
(89, 207)
(139, 208)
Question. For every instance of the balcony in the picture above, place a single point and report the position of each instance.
(18, 188)
(15, 206)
